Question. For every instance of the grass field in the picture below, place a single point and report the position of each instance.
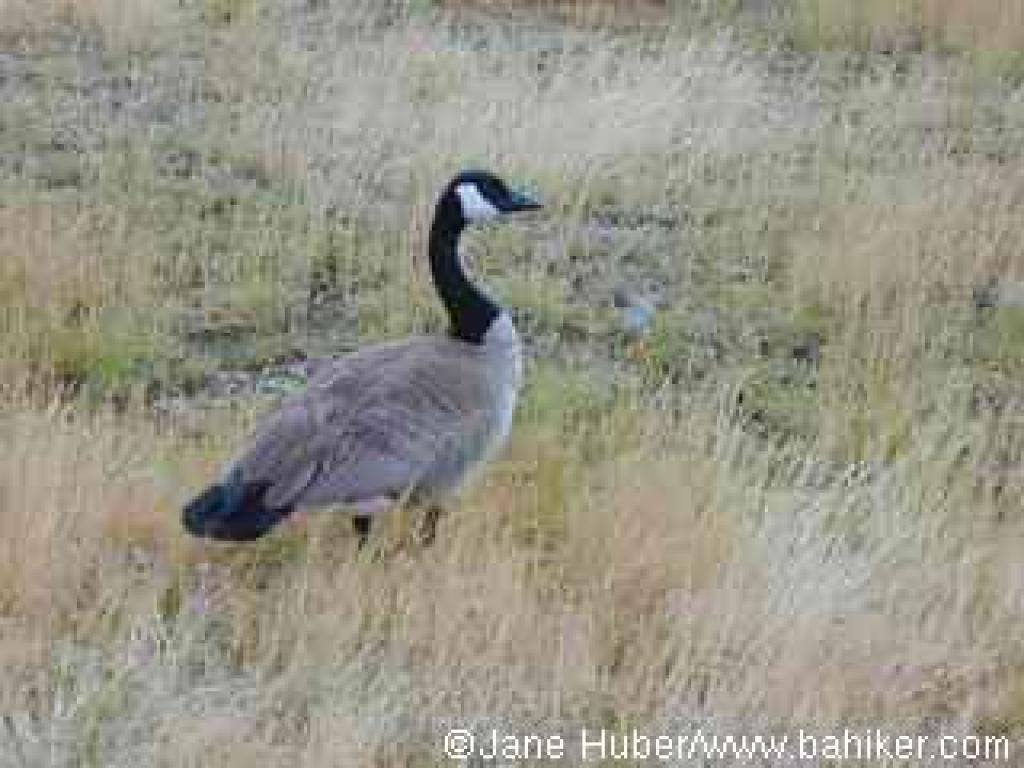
(796, 502)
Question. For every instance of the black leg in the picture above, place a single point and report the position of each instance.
(428, 528)
(361, 524)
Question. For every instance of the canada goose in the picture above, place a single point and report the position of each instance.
(400, 419)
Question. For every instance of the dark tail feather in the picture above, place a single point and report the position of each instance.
(202, 509)
(231, 512)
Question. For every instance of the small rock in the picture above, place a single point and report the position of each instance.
(636, 312)
(996, 293)
(808, 349)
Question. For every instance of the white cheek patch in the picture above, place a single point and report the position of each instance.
(475, 207)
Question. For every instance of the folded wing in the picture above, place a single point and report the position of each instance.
(398, 418)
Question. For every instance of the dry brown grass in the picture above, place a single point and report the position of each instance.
(599, 13)
(681, 586)
(663, 543)
(995, 26)
(120, 26)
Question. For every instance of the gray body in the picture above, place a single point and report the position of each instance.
(403, 418)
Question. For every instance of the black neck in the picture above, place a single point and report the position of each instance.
(470, 311)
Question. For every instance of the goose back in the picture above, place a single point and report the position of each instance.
(404, 417)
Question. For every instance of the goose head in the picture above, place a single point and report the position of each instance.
(482, 196)
(469, 198)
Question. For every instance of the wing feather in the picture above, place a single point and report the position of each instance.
(386, 420)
